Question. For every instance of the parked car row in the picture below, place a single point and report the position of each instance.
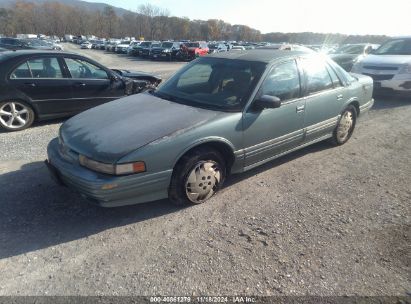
(28, 43)
(166, 50)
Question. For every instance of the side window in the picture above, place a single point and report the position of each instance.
(283, 81)
(45, 68)
(197, 75)
(22, 71)
(83, 69)
(336, 81)
(318, 78)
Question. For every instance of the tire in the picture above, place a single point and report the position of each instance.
(15, 115)
(207, 169)
(345, 127)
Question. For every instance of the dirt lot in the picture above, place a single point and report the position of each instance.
(321, 221)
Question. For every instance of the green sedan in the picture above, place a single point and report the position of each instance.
(221, 114)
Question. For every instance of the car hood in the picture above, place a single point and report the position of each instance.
(108, 132)
(387, 59)
(137, 74)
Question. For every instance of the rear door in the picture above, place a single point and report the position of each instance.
(91, 85)
(324, 95)
(269, 132)
(43, 81)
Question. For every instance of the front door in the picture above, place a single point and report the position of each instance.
(91, 85)
(268, 132)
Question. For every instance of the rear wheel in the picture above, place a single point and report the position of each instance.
(15, 115)
(345, 126)
(197, 177)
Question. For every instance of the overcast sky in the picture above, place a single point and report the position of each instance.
(325, 16)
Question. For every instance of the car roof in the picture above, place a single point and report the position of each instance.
(260, 55)
(23, 53)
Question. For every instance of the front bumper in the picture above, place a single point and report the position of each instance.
(396, 84)
(106, 190)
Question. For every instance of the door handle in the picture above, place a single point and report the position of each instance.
(339, 97)
(300, 108)
(30, 84)
(80, 84)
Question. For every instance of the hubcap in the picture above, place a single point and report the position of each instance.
(202, 181)
(345, 126)
(14, 115)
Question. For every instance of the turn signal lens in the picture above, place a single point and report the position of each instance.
(136, 167)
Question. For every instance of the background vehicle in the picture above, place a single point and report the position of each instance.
(42, 85)
(137, 50)
(389, 66)
(221, 118)
(40, 44)
(167, 50)
(347, 55)
(197, 49)
(131, 47)
(146, 51)
(86, 45)
(216, 48)
(13, 44)
(122, 47)
(286, 47)
(238, 48)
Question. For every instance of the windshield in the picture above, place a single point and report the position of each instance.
(156, 45)
(213, 83)
(212, 46)
(125, 42)
(395, 47)
(350, 49)
(145, 44)
(193, 44)
(167, 45)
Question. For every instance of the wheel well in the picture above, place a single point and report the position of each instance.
(224, 149)
(356, 104)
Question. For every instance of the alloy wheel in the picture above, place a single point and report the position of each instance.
(14, 115)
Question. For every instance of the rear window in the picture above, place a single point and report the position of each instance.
(38, 68)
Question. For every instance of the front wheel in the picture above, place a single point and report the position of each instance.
(15, 115)
(345, 126)
(197, 177)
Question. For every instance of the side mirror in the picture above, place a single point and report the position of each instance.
(268, 102)
(113, 77)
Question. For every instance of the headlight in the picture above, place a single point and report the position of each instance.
(357, 67)
(120, 169)
(405, 69)
(166, 51)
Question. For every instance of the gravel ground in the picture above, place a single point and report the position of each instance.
(320, 221)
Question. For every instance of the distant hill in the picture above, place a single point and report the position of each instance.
(89, 6)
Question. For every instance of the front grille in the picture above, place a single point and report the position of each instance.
(380, 77)
(380, 68)
(156, 52)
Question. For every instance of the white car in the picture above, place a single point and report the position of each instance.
(238, 48)
(389, 66)
(122, 47)
(86, 45)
